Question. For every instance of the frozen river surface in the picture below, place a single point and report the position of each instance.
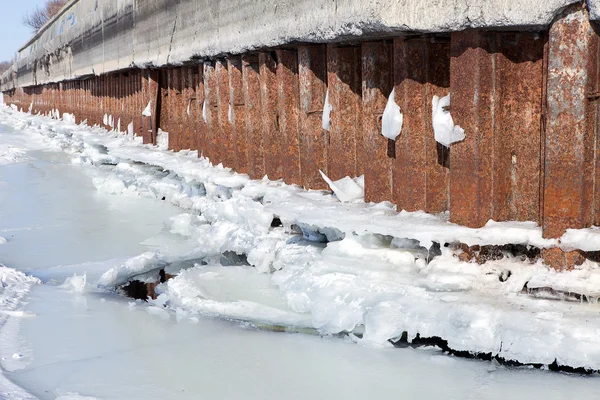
(69, 344)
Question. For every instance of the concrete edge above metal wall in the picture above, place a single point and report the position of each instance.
(93, 37)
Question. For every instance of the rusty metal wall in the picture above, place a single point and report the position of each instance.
(527, 101)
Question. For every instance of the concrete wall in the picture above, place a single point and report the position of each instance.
(99, 36)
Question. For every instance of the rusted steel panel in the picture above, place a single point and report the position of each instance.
(225, 140)
(163, 117)
(201, 131)
(138, 104)
(146, 99)
(119, 101)
(126, 118)
(238, 114)
(420, 169)
(472, 85)
(211, 150)
(175, 109)
(154, 93)
(254, 137)
(517, 113)
(569, 145)
(110, 98)
(272, 140)
(312, 71)
(288, 108)
(344, 140)
(438, 157)
(409, 168)
(497, 98)
(376, 87)
(188, 123)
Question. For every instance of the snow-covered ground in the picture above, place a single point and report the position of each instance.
(83, 210)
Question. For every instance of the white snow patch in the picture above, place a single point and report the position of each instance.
(445, 132)
(204, 111)
(391, 122)
(326, 117)
(3, 240)
(346, 189)
(148, 110)
(162, 139)
(68, 118)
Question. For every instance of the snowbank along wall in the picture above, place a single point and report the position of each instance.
(245, 83)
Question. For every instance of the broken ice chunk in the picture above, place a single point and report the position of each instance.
(391, 122)
(445, 132)
(346, 189)
(326, 121)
